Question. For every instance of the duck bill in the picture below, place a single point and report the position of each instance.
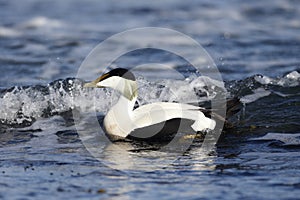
(90, 85)
(93, 84)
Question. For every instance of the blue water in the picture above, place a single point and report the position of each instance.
(42, 45)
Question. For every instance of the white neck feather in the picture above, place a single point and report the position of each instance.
(119, 118)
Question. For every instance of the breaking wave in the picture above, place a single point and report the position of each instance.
(23, 105)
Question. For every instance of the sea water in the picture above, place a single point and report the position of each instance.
(255, 47)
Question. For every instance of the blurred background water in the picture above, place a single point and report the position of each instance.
(43, 41)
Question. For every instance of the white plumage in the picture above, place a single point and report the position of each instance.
(122, 119)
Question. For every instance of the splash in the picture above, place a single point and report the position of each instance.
(290, 80)
(258, 86)
(287, 139)
(23, 105)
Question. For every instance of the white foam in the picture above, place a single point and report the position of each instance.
(8, 32)
(258, 93)
(286, 138)
(42, 22)
(293, 75)
(22, 104)
(290, 80)
(263, 80)
(202, 81)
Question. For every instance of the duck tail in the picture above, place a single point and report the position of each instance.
(233, 106)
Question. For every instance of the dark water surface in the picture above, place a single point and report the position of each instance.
(43, 43)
